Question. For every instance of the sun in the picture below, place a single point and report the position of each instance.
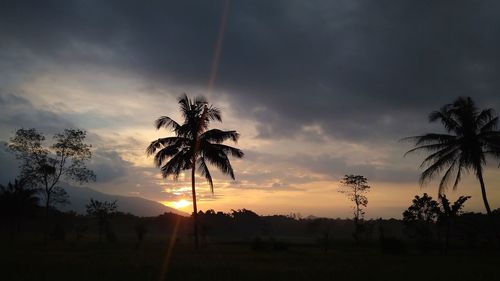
(178, 204)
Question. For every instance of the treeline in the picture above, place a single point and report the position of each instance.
(470, 230)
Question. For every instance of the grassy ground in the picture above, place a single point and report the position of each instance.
(127, 261)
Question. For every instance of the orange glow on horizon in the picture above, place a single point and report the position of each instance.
(180, 204)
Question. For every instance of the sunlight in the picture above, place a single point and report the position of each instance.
(180, 204)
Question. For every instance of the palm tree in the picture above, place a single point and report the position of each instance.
(194, 146)
(471, 137)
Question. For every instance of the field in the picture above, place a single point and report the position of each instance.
(92, 260)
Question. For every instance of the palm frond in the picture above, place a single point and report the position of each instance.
(165, 153)
(163, 142)
(438, 154)
(167, 122)
(437, 167)
(219, 159)
(200, 101)
(219, 136)
(185, 105)
(490, 125)
(428, 147)
(180, 161)
(214, 114)
(202, 166)
(447, 175)
(431, 139)
(228, 150)
(458, 176)
(445, 117)
(484, 117)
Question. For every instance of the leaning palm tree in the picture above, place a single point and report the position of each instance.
(194, 146)
(471, 137)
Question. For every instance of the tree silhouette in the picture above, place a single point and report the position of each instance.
(355, 186)
(17, 203)
(426, 212)
(471, 136)
(43, 167)
(194, 146)
(101, 211)
(423, 209)
(420, 218)
(448, 213)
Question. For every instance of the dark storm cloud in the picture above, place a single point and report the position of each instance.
(108, 165)
(18, 112)
(360, 70)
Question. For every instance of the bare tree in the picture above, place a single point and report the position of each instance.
(355, 186)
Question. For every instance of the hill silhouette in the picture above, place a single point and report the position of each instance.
(80, 196)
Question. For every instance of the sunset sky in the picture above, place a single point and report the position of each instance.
(317, 89)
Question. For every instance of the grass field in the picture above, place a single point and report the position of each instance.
(127, 261)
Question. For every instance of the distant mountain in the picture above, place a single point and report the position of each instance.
(80, 196)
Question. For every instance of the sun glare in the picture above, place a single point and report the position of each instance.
(178, 204)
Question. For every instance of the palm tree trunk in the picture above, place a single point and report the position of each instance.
(483, 193)
(195, 210)
(494, 226)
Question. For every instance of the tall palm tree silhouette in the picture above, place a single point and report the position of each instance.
(471, 136)
(194, 146)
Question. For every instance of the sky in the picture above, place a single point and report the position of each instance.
(317, 90)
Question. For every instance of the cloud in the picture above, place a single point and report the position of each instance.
(19, 112)
(8, 165)
(359, 70)
(319, 88)
(108, 165)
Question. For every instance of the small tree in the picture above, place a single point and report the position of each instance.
(42, 167)
(448, 213)
(423, 209)
(101, 211)
(420, 218)
(355, 186)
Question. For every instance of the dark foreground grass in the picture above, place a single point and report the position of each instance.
(127, 261)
